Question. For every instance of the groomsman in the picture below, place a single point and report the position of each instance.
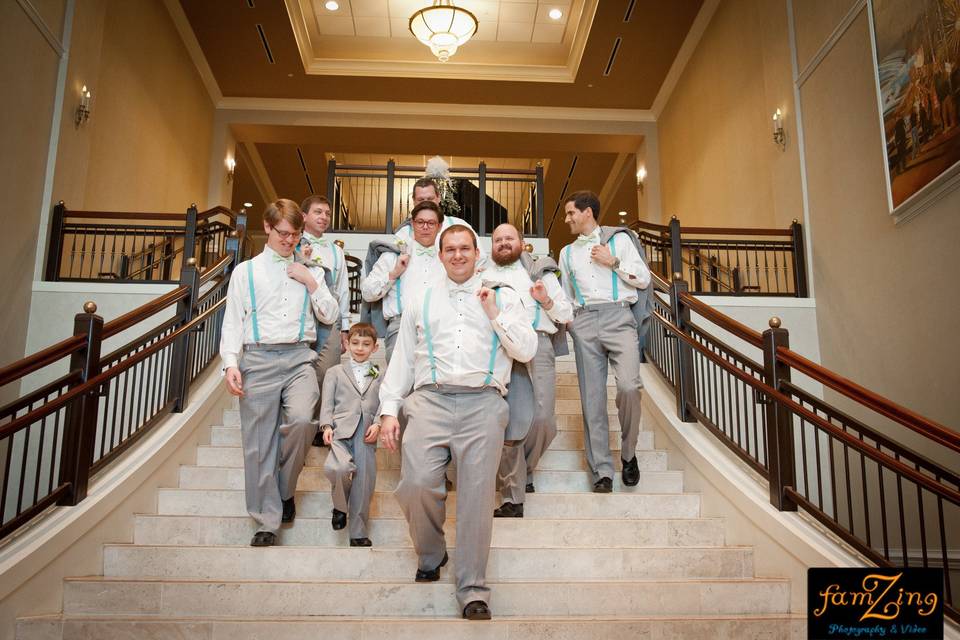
(454, 350)
(602, 273)
(403, 269)
(426, 190)
(547, 308)
(268, 328)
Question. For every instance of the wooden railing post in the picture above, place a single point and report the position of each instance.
(799, 260)
(482, 207)
(697, 269)
(180, 359)
(80, 422)
(676, 257)
(55, 250)
(780, 453)
(685, 389)
(190, 234)
(391, 175)
(540, 200)
(331, 179)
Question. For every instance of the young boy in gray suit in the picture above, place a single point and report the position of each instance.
(348, 414)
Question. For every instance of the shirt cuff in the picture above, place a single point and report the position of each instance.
(390, 408)
(229, 360)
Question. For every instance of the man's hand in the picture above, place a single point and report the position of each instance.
(390, 432)
(488, 300)
(539, 293)
(344, 342)
(234, 382)
(601, 254)
(370, 437)
(327, 436)
(302, 274)
(401, 266)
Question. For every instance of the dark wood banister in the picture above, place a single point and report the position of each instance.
(720, 231)
(144, 311)
(166, 217)
(40, 359)
(370, 167)
(723, 321)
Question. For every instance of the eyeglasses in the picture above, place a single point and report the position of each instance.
(286, 234)
(426, 224)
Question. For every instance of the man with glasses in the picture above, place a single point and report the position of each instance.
(403, 269)
(268, 329)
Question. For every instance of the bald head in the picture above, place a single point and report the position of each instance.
(506, 243)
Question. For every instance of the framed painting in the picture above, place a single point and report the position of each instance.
(916, 52)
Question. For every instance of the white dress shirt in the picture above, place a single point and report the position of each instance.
(280, 305)
(541, 319)
(361, 373)
(423, 270)
(454, 344)
(406, 234)
(589, 282)
(325, 252)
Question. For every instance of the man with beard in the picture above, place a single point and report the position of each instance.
(547, 307)
(455, 349)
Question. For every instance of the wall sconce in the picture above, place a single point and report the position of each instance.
(83, 110)
(779, 137)
(623, 218)
(641, 176)
(231, 165)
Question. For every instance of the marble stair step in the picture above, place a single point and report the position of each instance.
(655, 460)
(219, 598)
(317, 504)
(313, 479)
(565, 440)
(507, 532)
(399, 564)
(717, 627)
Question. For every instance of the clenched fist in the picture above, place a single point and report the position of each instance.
(488, 300)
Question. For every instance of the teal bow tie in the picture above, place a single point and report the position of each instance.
(513, 266)
(279, 258)
(426, 251)
(585, 240)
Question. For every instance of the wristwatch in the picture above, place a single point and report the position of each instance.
(616, 263)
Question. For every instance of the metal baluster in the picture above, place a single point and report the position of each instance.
(903, 524)
(923, 527)
(943, 548)
(766, 270)
(883, 511)
(23, 465)
(803, 456)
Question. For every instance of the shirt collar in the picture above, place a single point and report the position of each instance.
(273, 256)
(470, 286)
(590, 238)
(312, 239)
(513, 266)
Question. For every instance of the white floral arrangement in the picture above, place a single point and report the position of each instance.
(373, 372)
(439, 171)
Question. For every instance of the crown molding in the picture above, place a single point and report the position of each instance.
(431, 69)
(194, 49)
(34, 16)
(697, 29)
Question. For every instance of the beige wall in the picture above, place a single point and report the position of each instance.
(146, 146)
(886, 295)
(718, 162)
(29, 67)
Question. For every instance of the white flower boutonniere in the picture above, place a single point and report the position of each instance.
(402, 245)
(373, 372)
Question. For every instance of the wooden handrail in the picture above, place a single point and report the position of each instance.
(137, 215)
(144, 311)
(723, 321)
(373, 167)
(40, 359)
(213, 270)
(909, 419)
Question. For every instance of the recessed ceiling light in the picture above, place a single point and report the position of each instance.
(555, 14)
(332, 6)
(248, 204)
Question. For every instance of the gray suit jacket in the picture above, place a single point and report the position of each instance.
(343, 406)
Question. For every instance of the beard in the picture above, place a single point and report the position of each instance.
(503, 258)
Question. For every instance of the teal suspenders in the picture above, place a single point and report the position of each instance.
(573, 280)
(493, 346)
(613, 274)
(427, 336)
(536, 315)
(253, 306)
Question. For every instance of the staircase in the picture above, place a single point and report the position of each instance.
(640, 562)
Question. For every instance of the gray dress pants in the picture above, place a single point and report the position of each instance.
(466, 428)
(351, 467)
(600, 333)
(518, 461)
(277, 424)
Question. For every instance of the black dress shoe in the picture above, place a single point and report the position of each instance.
(289, 511)
(339, 520)
(509, 510)
(263, 539)
(529, 488)
(360, 542)
(603, 485)
(631, 472)
(431, 575)
(476, 610)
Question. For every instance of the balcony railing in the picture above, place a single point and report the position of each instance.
(377, 199)
(728, 261)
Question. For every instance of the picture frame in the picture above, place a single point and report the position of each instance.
(916, 62)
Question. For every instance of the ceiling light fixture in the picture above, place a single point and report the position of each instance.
(332, 6)
(443, 27)
(555, 14)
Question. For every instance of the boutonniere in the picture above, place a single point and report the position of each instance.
(402, 245)
(373, 372)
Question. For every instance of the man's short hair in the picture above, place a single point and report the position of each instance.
(364, 330)
(284, 209)
(583, 199)
(457, 228)
(427, 205)
(312, 200)
(423, 183)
